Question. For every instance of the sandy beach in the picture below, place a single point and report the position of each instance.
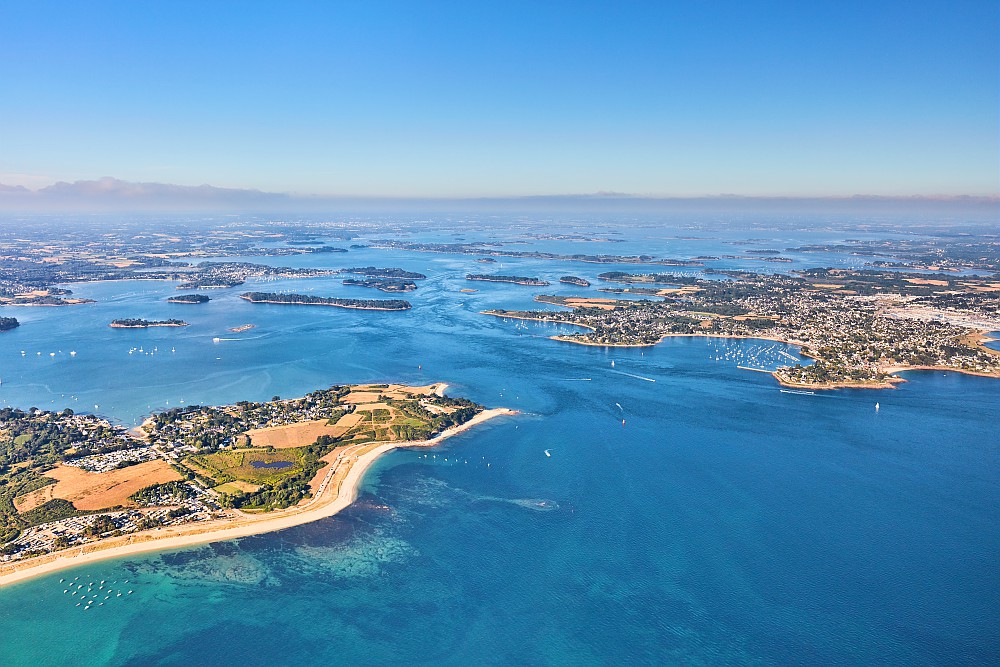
(331, 500)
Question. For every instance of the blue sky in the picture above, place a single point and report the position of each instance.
(507, 98)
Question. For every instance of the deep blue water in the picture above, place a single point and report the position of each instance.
(723, 522)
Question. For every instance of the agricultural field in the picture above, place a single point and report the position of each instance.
(237, 487)
(90, 491)
(253, 466)
(253, 456)
(302, 433)
(372, 393)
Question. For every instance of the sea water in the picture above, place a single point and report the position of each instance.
(702, 517)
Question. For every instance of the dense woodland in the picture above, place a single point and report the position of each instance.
(307, 300)
(520, 280)
(575, 280)
(135, 323)
(189, 298)
(376, 272)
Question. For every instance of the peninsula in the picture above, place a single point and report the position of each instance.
(133, 323)
(307, 300)
(517, 280)
(860, 327)
(200, 474)
(52, 296)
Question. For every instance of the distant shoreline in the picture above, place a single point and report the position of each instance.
(324, 504)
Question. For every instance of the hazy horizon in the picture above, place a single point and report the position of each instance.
(474, 102)
(109, 195)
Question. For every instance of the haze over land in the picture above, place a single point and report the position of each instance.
(111, 194)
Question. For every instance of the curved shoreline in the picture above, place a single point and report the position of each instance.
(553, 321)
(889, 383)
(321, 506)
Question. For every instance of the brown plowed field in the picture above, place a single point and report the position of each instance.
(97, 490)
(302, 433)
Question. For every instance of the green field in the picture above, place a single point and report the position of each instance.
(237, 465)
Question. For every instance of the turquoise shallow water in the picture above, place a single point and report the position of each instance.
(723, 523)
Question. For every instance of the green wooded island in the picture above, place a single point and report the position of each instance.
(388, 272)
(8, 323)
(574, 280)
(134, 323)
(517, 280)
(189, 298)
(306, 300)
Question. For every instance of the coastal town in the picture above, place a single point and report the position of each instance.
(71, 480)
(859, 327)
(76, 480)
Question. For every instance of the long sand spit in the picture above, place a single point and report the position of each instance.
(332, 500)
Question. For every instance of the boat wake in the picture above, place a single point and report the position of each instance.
(632, 375)
(533, 504)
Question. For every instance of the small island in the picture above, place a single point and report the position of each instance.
(8, 323)
(389, 272)
(651, 278)
(242, 327)
(573, 280)
(189, 298)
(306, 300)
(517, 280)
(134, 323)
(383, 285)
